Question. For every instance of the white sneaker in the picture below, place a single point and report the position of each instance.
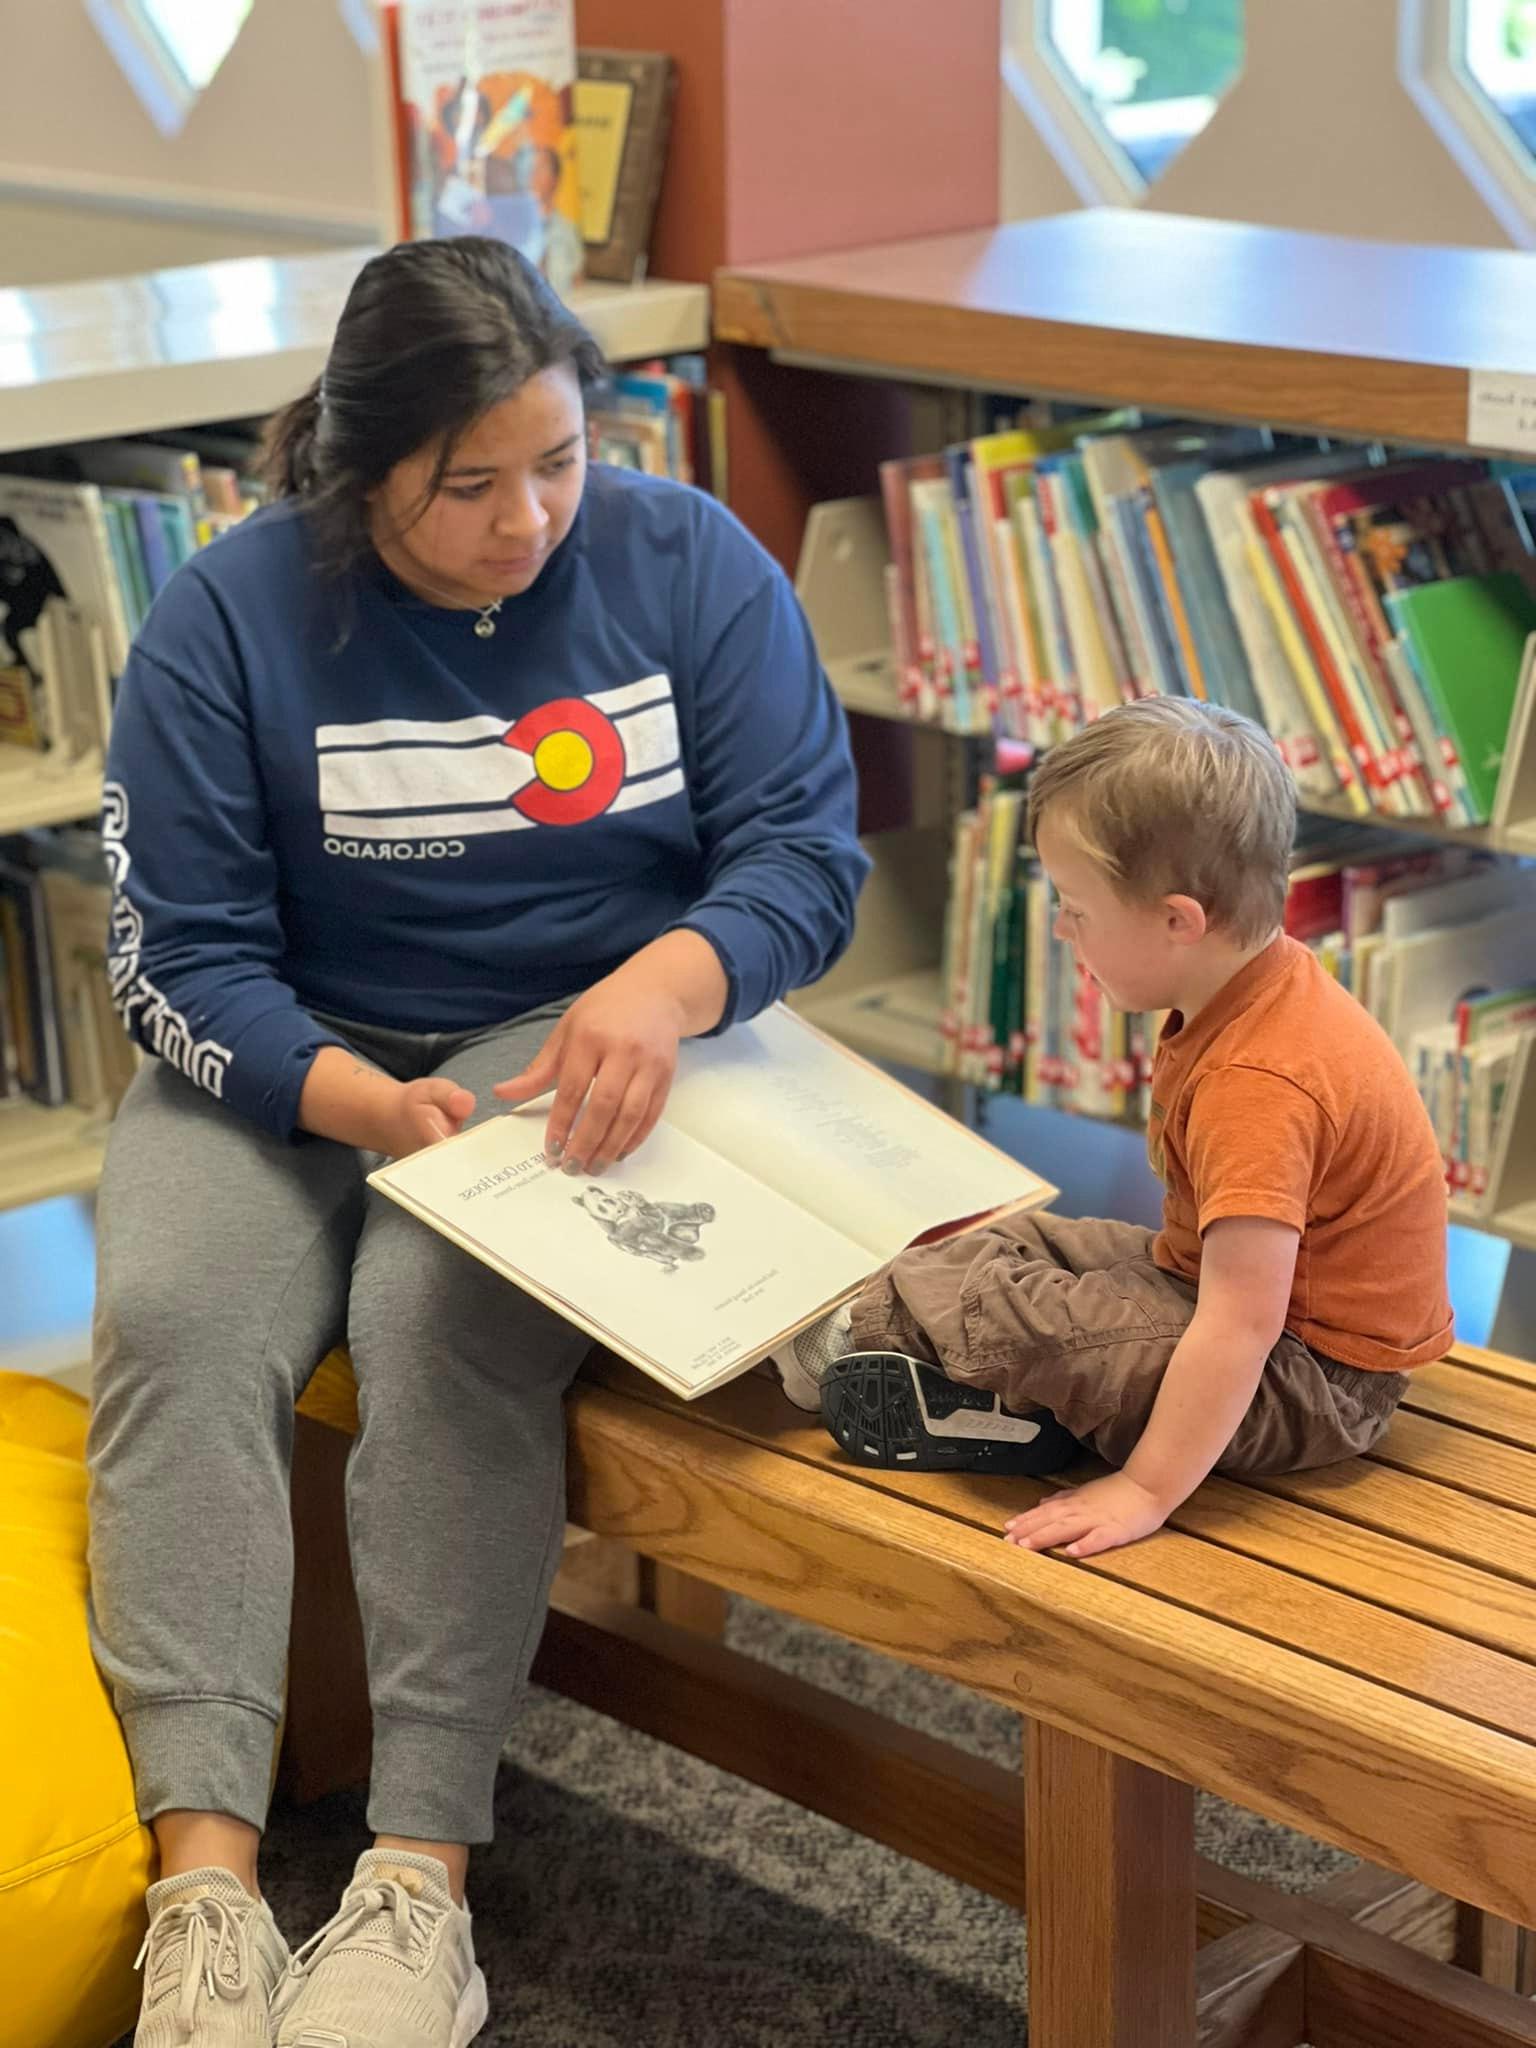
(804, 1362)
(212, 1959)
(395, 1968)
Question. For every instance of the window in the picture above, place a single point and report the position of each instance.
(359, 17)
(1118, 87)
(197, 35)
(1471, 66)
(1497, 50)
(170, 49)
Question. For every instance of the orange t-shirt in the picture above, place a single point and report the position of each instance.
(1284, 1099)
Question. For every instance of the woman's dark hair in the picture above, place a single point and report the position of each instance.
(433, 335)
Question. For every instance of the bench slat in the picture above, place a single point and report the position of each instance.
(1495, 1405)
(1498, 1365)
(1460, 1459)
(1434, 1519)
(1390, 1777)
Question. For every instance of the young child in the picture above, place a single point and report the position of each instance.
(1300, 1273)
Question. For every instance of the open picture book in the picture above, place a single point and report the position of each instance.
(785, 1172)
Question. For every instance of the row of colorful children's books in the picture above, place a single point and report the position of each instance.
(1373, 613)
(1439, 944)
(663, 419)
(60, 1038)
(1018, 1016)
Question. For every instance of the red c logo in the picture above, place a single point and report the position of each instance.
(578, 762)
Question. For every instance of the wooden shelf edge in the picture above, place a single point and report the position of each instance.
(1315, 332)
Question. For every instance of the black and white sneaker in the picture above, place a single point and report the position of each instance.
(886, 1409)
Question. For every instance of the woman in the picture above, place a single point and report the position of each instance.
(458, 773)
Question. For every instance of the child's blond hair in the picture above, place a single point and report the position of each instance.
(1170, 797)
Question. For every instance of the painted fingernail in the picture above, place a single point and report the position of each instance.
(553, 1149)
(599, 1166)
(573, 1166)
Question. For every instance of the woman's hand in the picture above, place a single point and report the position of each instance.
(612, 1057)
(348, 1099)
(421, 1113)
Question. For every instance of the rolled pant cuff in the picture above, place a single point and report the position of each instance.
(204, 1756)
(433, 1781)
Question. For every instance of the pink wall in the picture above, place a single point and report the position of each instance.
(853, 121)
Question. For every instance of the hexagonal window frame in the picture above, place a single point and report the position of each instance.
(1432, 41)
(156, 70)
(152, 63)
(1101, 167)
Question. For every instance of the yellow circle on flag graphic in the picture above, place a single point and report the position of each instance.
(578, 762)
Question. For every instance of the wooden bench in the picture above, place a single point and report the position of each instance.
(1351, 1651)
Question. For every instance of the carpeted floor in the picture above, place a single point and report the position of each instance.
(638, 1899)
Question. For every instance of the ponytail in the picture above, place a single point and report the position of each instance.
(288, 452)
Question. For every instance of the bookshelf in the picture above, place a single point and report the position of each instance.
(179, 348)
(1204, 319)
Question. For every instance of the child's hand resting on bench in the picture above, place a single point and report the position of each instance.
(1083, 1520)
(1245, 1284)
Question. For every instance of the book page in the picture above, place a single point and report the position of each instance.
(837, 1137)
(678, 1260)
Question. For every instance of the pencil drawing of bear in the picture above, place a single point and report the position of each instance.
(667, 1232)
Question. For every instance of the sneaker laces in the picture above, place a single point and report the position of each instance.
(213, 1954)
(404, 1940)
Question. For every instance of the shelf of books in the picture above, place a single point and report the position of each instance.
(111, 476)
(1095, 537)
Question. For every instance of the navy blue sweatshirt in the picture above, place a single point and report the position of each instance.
(338, 799)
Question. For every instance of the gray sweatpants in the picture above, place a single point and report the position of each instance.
(228, 1264)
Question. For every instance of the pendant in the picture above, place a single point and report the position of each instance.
(485, 626)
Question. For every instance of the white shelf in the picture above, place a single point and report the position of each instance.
(31, 794)
(227, 340)
(895, 1020)
(47, 1152)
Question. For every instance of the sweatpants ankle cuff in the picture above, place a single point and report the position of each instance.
(433, 1781)
(204, 1756)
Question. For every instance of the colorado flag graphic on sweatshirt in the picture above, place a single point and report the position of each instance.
(564, 764)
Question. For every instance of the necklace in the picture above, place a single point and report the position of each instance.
(485, 622)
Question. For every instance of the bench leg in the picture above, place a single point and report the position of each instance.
(686, 1602)
(1497, 1951)
(1110, 1892)
(598, 1567)
(328, 1727)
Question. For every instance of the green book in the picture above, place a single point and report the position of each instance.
(1467, 638)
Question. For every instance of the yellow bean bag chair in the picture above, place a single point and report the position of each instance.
(74, 1858)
